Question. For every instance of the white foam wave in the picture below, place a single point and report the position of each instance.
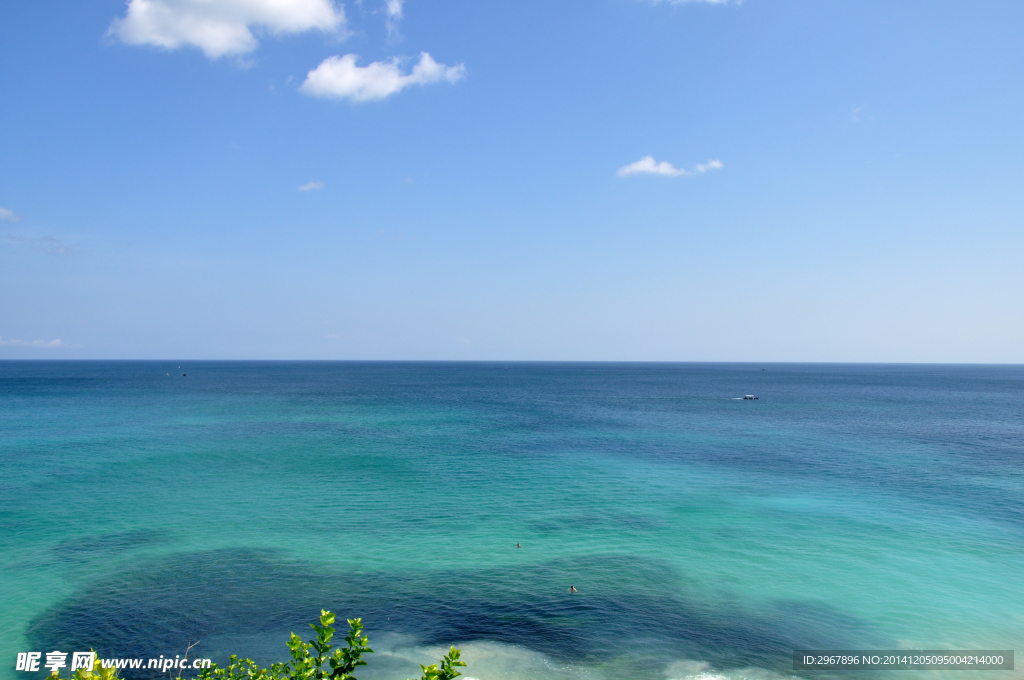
(688, 669)
(398, 656)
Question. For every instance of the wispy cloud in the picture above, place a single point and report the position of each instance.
(312, 186)
(340, 78)
(49, 244)
(9, 216)
(395, 15)
(221, 27)
(32, 343)
(648, 166)
(860, 113)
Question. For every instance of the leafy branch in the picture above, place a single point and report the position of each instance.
(309, 658)
(447, 670)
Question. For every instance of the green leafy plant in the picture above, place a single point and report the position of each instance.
(447, 670)
(318, 659)
(97, 672)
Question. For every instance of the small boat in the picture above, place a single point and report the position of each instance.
(749, 396)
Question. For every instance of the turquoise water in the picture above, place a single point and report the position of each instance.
(848, 507)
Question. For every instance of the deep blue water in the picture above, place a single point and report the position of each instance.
(849, 506)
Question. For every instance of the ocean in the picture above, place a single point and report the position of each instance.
(147, 505)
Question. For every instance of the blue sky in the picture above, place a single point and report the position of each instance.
(609, 180)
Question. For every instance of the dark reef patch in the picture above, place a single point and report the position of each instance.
(625, 605)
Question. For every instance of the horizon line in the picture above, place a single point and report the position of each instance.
(530, 361)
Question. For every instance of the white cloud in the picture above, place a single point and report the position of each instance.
(311, 186)
(340, 78)
(861, 113)
(394, 8)
(647, 166)
(8, 216)
(221, 27)
(32, 343)
(395, 14)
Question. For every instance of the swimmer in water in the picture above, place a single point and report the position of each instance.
(518, 546)
(572, 589)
